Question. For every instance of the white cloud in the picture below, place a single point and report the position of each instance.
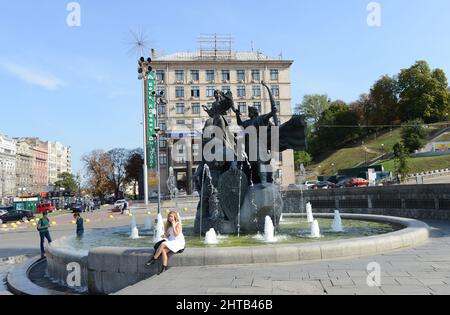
(32, 76)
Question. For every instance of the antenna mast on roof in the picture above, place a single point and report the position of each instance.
(216, 46)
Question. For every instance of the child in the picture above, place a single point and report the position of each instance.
(42, 227)
(80, 224)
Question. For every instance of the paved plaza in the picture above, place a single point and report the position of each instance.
(424, 270)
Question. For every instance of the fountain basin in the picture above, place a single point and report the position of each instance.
(110, 269)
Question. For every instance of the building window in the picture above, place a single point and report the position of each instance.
(241, 75)
(162, 125)
(258, 106)
(196, 108)
(241, 91)
(274, 75)
(226, 75)
(179, 75)
(160, 75)
(195, 149)
(210, 75)
(278, 106)
(195, 91)
(179, 91)
(275, 90)
(163, 143)
(256, 75)
(180, 108)
(163, 159)
(181, 122)
(226, 89)
(162, 109)
(210, 91)
(195, 75)
(242, 107)
(256, 91)
(161, 90)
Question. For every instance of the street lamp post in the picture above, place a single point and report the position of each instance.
(382, 147)
(143, 70)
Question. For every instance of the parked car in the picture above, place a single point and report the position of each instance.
(45, 207)
(310, 184)
(16, 215)
(323, 185)
(5, 210)
(359, 182)
(345, 183)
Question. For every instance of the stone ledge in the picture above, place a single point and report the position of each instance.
(111, 269)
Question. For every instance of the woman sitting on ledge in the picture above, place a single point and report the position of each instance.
(174, 241)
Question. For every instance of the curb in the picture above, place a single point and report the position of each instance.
(19, 283)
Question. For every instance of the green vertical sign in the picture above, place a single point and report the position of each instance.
(151, 80)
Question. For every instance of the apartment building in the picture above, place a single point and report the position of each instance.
(7, 167)
(189, 80)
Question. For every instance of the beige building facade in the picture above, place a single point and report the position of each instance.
(59, 161)
(7, 167)
(24, 167)
(189, 81)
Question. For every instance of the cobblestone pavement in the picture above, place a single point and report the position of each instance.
(420, 271)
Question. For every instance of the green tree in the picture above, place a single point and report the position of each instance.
(68, 182)
(401, 160)
(413, 135)
(313, 106)
(134, 169)
(337, 125)
(384, 103)
(302, 157)
(423, 93)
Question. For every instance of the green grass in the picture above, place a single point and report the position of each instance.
(444, 137)
(422, 164)
(353, 156)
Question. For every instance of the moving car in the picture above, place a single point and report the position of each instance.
(16, 215)
(45, 207)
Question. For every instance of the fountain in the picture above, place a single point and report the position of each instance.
(269, 231)
(148, 223)
(309, 213)
(315, 230)
(240, 190)
(337, 226)
(159, 230)
(134, 230)
(211, 238)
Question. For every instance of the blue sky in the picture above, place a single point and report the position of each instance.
(78, 85)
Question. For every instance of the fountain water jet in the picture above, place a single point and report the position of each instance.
(148, 223)
(134, 230)
(337, 226)
(309, 213)
(315, 229)
(211, 238)
(269, 230)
